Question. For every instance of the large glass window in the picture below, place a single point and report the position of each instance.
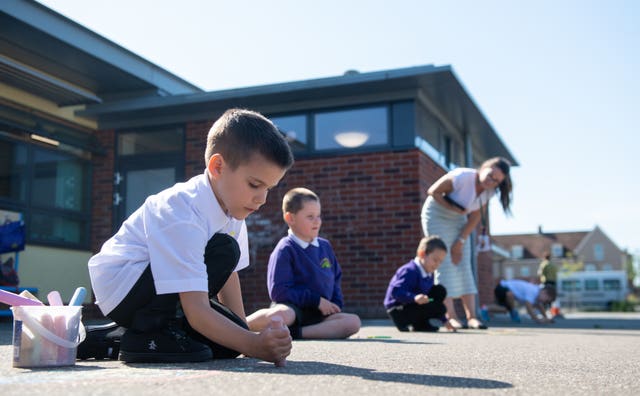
(13, 171)
(58, 180)
(161, 141)
(612, 284)
(49, 187)
(591, 284)
(571, 285)
(351, 128)
(295, 130)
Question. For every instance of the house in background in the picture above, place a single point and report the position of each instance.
(90, 130)
(575, 251)
(591, 267)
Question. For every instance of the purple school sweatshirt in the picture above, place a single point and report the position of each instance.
(301, 276)
(405, 284)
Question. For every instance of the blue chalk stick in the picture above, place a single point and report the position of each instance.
(78, 296)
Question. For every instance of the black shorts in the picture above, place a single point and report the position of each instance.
(501, 295)
(305, 316)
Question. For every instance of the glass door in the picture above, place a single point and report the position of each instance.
(147, 163)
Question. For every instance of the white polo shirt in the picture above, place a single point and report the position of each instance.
(170, 231)
(523, 291)
(464, 189)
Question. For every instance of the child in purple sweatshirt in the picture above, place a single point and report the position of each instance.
(412, 298)
(303, 276)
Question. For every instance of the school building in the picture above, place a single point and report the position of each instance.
(89, 129)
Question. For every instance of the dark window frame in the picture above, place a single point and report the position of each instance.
(28, 208)
(311, 150)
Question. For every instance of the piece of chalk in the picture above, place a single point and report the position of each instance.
(54, 298)
(378, 337)
(15, 299)
(27, 294)
(78, 296)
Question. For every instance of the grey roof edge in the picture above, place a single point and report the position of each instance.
(324, 82)
(514, 161)
(64, 29)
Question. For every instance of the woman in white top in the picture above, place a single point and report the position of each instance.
(455, 205)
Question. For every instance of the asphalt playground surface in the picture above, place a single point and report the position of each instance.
(582, 354)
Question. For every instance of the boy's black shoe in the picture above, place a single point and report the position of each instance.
(101, 342)
(170, 345)
(427, 327)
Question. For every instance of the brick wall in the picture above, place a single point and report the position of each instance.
(486, 282)
(370, 207)
(102, 191)
(195, 144)
(371, 215)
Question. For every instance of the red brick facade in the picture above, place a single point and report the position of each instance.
(102, 191)
(370, 207)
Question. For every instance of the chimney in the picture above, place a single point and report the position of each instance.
(540, 230)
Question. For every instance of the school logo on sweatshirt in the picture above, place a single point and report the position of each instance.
(325, 263)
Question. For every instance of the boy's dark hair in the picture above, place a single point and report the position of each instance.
(240, 133)
(431, 243)
(295, 198)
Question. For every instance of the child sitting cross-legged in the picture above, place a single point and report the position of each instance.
(304, 277)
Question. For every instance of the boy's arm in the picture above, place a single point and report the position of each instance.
(337, 297)
(231, 296)
(402, 287)
(271, 344)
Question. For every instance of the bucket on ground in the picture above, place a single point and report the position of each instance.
(46, 335)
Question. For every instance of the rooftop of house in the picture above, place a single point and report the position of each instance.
(539, 244)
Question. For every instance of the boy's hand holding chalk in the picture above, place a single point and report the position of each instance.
(278, 323)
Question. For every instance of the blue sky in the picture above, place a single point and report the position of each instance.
(554, 78)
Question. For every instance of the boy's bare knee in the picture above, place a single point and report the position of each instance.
(287, 314)
(352, 324)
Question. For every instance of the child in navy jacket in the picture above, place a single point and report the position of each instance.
(303, 276)
(412, 298)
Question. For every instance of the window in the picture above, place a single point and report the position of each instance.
(351, 128)
(517, 251)
(598, 252)
(161, 141)
(50, 187)
(589, 267)
(508, 273)
(591, 285)
(571, 285)
(607, 267)
(557, 250)
(58, 180)
(294, 128)
(611, 284)
(524, 271)
(13, 171)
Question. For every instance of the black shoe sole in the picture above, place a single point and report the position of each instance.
(146, 357)
(102, 348)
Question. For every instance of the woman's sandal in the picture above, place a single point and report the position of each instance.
(474, 323)
(454, 324)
